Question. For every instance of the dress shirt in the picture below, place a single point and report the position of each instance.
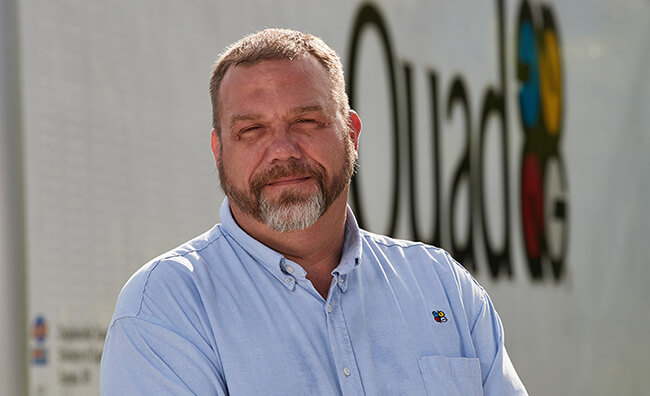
(224, 314)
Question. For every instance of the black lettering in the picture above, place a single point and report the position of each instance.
(464, 253)
(435, 159)
(369, 16)
(494, 104)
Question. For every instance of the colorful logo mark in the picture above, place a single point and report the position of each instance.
(543, 192)
(39, 335)
(439, 316)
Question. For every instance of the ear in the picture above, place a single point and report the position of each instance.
(354, 122)
(215, 145)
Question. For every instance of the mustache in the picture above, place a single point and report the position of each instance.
(289, 168)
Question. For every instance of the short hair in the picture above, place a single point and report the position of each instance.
(275, 44)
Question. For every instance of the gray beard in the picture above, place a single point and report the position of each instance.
(296, 215)
(291, 212)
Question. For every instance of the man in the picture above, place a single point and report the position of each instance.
(287, 295)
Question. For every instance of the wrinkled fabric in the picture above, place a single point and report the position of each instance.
(225, 315)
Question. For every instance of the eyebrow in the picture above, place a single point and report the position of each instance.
(306, 109)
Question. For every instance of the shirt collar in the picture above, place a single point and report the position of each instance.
(273, 261)
(351, 256)
(351, 246)
(285, 270)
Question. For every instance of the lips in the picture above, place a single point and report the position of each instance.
(283, 181)
(291, 173)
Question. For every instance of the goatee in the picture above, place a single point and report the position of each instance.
(292, 210)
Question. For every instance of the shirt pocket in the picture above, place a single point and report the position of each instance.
(451, 376)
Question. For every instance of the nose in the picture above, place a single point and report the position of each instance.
(283, 145)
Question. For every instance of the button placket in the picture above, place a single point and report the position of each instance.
(343, 354)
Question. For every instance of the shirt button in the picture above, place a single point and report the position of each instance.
(341, 280)
(289, 269)
(287, 280)
(329, 308)
(346, 371)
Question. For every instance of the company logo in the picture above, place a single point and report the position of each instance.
(39, 337)
(461, 220)
(439, 316)
(543, 189)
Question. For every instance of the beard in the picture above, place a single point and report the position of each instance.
(292, 210)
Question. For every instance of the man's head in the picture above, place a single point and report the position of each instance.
(284, 138)
(278, 44)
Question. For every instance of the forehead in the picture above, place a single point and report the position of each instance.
(304, 64)
(275, 82)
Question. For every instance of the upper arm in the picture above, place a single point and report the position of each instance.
(498, 373)
(160, 340)
(145, 358)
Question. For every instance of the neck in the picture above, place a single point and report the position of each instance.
(317, 248)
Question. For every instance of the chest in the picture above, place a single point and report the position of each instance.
(365, 337)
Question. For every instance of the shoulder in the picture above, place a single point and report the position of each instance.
(426, 262)
(412, 252)
(389, 243)
(170, 278)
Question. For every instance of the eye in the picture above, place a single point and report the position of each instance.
(307, 122)
(247, 131)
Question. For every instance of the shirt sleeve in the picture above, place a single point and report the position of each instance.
(145, 358)
(498, 374)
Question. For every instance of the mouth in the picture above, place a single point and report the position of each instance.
(288, 181)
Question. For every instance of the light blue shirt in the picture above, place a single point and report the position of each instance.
(224, 314)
